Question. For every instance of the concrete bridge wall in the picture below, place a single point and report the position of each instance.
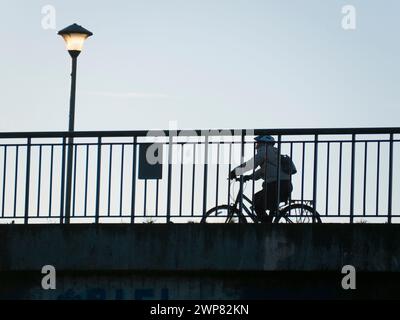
(193, 261)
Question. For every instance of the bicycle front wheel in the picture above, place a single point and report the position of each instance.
(223, 214)
(298, 213)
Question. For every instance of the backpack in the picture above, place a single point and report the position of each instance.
(287, 165)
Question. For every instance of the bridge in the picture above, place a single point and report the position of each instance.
(117, 225)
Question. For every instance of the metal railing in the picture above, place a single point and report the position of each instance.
(351, 175)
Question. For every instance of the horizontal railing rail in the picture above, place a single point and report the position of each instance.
(197, 132)
(348, 174)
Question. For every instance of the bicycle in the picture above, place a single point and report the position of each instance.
(301, 211)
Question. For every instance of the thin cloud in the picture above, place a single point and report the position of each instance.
(128, 95)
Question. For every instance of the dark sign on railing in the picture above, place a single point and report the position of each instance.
(150, 161)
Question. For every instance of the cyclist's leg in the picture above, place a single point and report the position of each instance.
(260, 205)
(286, 189)
(272, 188)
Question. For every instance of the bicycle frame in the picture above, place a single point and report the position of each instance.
(249, 212)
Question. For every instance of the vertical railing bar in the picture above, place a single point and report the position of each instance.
(145, 199)
(378, 176)
(390, 188)
(217, 176)
(328, 155)
(193, 177)
(121, 189)
(229, 170)
(51, 179)
(86, 178)
(16, 181)
(265, 183)
(73, 213)
(290, 178)
(69, 179)
(340, 178)
(352, 176)
(133, 191)
(303, 158)
(39, 181)
(98, 176)
(278, 174)
(62, 193)
(157, 193)
(315, 176)
(253, 183)
(241, 175)
(365, 177)
(4, 181)
(109, 179)
(170, 147)
(27, 181)
(205, 177)
(181, 182)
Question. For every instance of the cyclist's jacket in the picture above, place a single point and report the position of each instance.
(266, 158)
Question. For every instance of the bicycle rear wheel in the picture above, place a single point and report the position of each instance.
(223, 214)
(298, 213)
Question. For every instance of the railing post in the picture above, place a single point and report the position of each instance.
(303, 159)
(378, 166)
(390, 179)
(365, 176)
(170, 141)
(62, 193)
(278, 174)
(205, 174)
(340, 178)
(181, 182)
(27, 181)
(16, 181)
(4, 182)
(241, 176)
(133, 194)
(353, 155)
(315, 176)
(97, 213)
(69, 179)
(328, 150)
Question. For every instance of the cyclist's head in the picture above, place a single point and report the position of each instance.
(265, 140)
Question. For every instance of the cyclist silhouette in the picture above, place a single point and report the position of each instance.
(266, 157)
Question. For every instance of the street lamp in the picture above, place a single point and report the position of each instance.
(74, 37)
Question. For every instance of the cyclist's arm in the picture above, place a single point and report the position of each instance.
(270, 159)
(258, 174)
(254, 162)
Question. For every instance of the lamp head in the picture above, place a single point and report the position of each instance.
(74, 37)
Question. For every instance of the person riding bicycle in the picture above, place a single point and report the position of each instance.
(266, 158)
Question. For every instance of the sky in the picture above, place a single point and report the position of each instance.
(202, 64)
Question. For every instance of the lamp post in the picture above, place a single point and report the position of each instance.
(74, 37)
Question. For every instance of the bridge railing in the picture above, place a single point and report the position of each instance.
(350, 175)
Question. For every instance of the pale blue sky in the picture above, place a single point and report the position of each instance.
(204, 64)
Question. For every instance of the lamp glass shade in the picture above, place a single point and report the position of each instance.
(74, 41)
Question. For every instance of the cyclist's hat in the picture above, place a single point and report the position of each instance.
(265, 139)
